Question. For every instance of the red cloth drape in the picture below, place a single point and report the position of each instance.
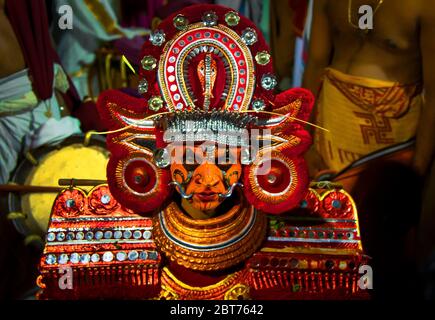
(29, 21)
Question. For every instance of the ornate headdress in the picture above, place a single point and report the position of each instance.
(207, 75)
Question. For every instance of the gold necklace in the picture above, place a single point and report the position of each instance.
(349, 14)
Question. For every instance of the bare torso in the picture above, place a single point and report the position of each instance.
(12, 58)
(391, 51)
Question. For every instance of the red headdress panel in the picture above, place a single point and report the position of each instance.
(209, 66)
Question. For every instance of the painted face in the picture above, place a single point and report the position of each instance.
(206, 177)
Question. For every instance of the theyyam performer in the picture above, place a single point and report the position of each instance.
(208, 195)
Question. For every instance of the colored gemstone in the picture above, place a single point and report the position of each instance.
(133, 255)
(142, 86)
(137, 234)
(162, 158)
(232, 18)
(108, 234)
(75, 258)
(107, 256)
(152, 255)
(342, 265)
(210, 19)
(180, 22)
(63, 258)
(121, 256)
(50, 259)
(249, 36)
(105, 199)
(262, 58)
(70, 203)
(99, 235)
(95, 257)
(60, 236)
(149, 63)
(157, 38)
(147, 234)
(85, 258)
(268, 82)
(117, 234)
(258, 105)
(155, 103)
(51, 237)
(336, 204)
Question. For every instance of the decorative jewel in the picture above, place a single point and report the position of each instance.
(157, 38)
(70, 203)
(137, 234)
(232, 18)
(99, 235)
(121, 256)
(152, 255)
(127, 234)
(342, 265)
(60, 236)
(133, 255)
(337, 204)
(294, 263)
(50, 259)
(262, 58)
(95, 257)
(258, 105)
(51, 237)
(162, 158)
(329, 264)
(63, 258)
(143, 86)
(117, 234)
(143, 255)
(147, 234)
(85, 258)
(210, 19)
(269, 82)
(70, 236)
(155, 103)
(75, 258)
(107, 256)
(149, 63)
(249, 36)
(105, 199)
(108, 234)
(238, 292)
(180, 22)
(89, 235)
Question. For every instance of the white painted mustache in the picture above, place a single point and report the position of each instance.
(225, 195)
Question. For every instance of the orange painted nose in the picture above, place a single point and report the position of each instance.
(209, 175)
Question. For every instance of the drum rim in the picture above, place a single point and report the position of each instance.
(13, 199)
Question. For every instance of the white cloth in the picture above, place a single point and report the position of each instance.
(25, 122)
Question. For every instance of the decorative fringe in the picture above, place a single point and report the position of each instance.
(304, 281)
(130, 282)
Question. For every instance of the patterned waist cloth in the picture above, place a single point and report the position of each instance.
(363, 115)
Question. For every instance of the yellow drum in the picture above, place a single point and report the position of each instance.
(71, 160)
